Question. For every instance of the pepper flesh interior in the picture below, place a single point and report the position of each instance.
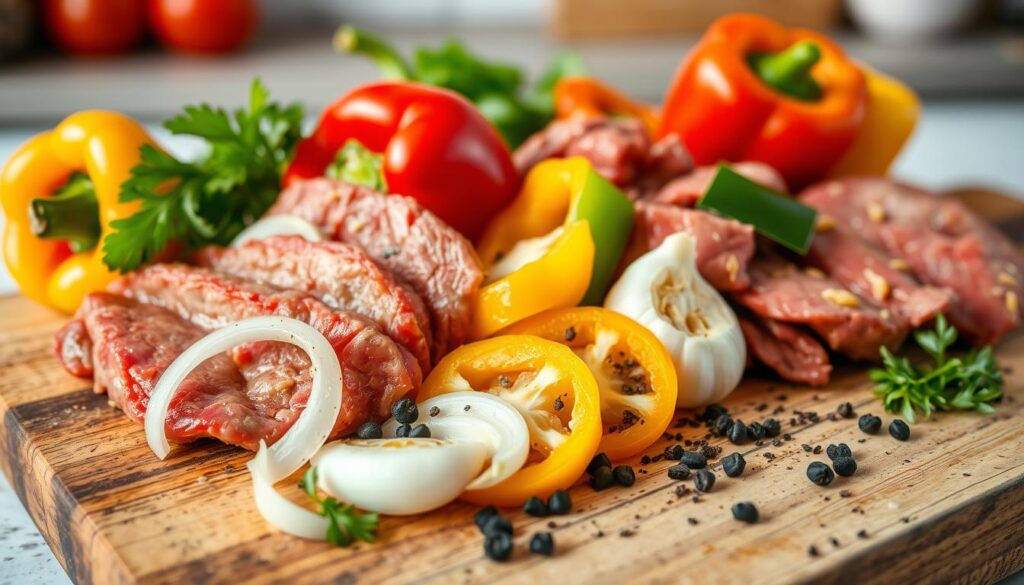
(523, 253)
(623, 383)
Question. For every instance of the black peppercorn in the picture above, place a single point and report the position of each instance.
(869, 423)
(844, 466)
(694, 460)
(820, 473)
(679, 471)
(497, 524)
(405, 412)
(498, 547)
(705, 481)
(624, 475)
(559, 503)
(419, 432)
(675, 452)
(899, 430)
(600, 460)
(542, 543)
(836, 451)
(403, 431)
(738, 433)
(772, 428)
(369, 430)
(713, 411)
(734, 464)
(483, 515)
(602, 479)
(722, 424)
(535, 507)
(745, 512)
(755, 431)
(845, 410)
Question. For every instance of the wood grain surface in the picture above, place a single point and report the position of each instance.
(944, 507)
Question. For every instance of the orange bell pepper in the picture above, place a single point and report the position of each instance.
(753, 90)
(634, 372)
(553, 390)
(586, 97)
(52, 244)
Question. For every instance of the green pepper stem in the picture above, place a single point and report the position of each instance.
(72, 215)
(790, 71)
(357, 165)
(350, 39)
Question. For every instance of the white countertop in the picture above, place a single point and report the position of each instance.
(957, 144)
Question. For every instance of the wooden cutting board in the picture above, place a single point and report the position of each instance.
(944, 507)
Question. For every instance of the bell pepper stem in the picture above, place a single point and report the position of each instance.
(73, 214)
(789, 72)
(350, 39)
(357, 165)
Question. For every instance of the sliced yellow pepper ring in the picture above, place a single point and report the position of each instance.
(554, 391)
(633, 370)
(549, 272)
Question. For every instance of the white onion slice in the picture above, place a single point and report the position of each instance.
(399, 476)
(278, 510)
(489, 420)
(278, 225)
(314, 425)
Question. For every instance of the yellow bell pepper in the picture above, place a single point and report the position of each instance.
(556, 274)
(559, 192)
(553, 390)
(889, 119)
(48, 260)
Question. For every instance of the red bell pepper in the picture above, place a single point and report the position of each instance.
(753, 90)
(434, 146)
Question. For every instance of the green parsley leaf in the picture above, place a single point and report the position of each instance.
(345, 524)
(210, 200)
(972, 382)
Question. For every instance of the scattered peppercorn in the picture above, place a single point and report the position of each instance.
(602, 479)
(559, 503)
(692, 521)
(899, 430)
(624, 475)
(600, 460)
(722, 424)
(369, 430)
(570, 334)
(405, 412)
(675, 452)
(812, 551)
(869, 423)
(534, 506)
(816, 450)
(497, 524)
(845, 410)
(420, 432)
(844, 466)
(705, 481)
(542, 543)
(694, 460)
(403, 431)
(755, 431)
(713, 411)
(836, 451)
(483, 515)
(679, 471)
(738, 433)
(745, 512)
(772, 428)
(820, 473)
(435, 410)
(498, 547)
(734, 464)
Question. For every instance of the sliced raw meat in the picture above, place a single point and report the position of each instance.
(439, 264)
(341, 275)
(724, 246)
(689, 188)
(377, 371)
(620, 149)
(781, 291)
(875, 277)
(796, 356)
(131, 344)
(942, 242)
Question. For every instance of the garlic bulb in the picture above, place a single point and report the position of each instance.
(663, 291)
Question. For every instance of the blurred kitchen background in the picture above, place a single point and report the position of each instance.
(965, 57)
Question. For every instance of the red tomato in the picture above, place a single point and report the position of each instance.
(203, 26)
(94, 26)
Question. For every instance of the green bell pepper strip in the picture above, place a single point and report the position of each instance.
(558, 192)
(773, 214)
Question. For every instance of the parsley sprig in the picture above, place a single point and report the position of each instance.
(345, 525)
(210, 200)
(971, 382)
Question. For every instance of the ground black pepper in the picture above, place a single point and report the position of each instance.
(734, 464)
(869, 423)
(812, 551)
(558, 404)
(369, 430)
(542, 543)
(899, 430)
(745, 512)
(820, 473)
(704, 481)
(692, 521)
